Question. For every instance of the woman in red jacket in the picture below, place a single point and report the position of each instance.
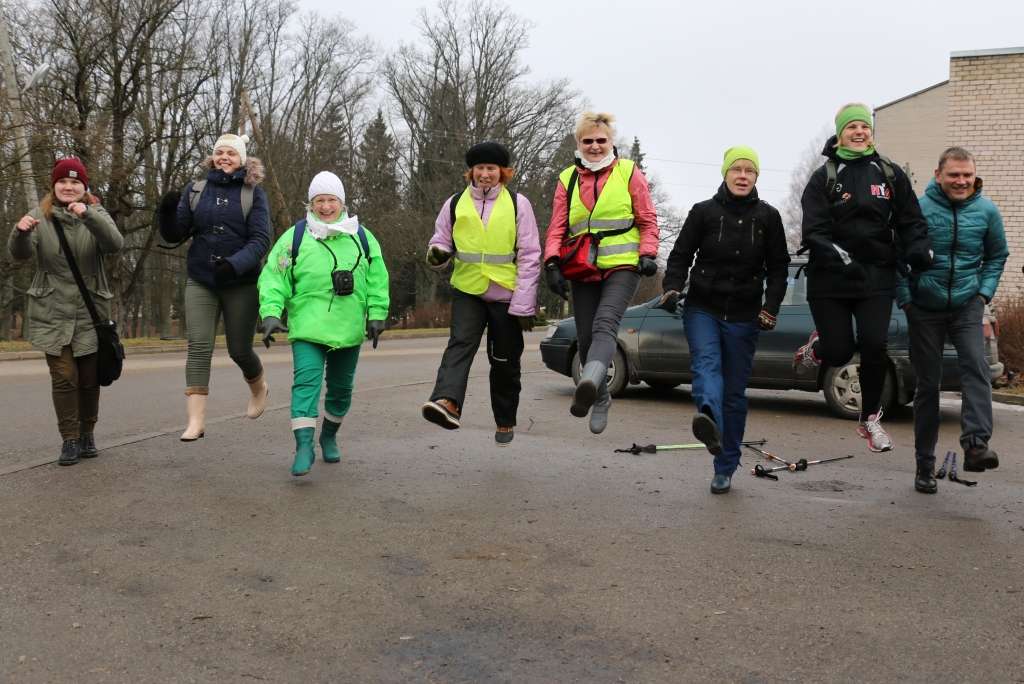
(603, 236)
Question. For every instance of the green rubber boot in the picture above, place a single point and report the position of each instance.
(304, 454)
(329, 441)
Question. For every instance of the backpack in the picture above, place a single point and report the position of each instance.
(300, 231)
(832, 172)
(196, 191)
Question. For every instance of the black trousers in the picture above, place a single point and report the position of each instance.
(470, 316)
(837, 342)
(598, 309)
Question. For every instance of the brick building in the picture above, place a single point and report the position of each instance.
(981, 108)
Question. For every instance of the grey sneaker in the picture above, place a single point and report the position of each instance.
(872, 430)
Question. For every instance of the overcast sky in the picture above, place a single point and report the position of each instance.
(691, 79)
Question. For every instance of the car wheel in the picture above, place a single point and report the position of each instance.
(618, 375)
(841, 387)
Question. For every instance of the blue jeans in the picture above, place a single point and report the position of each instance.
(721, 357)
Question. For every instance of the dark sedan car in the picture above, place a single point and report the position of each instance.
(652, 349)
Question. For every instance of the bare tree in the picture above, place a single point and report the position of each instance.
(792, 211)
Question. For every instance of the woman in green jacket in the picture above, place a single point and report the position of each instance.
(328, 273)
(59, 323)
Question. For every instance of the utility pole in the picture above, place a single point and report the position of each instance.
(10, 86)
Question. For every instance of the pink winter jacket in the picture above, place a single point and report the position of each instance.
(644, 213)
(523, 300)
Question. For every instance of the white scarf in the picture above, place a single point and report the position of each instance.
(598, 165)
(346, 224)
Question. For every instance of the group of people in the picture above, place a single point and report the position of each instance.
(325, 284)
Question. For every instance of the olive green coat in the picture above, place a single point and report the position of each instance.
(56, 311)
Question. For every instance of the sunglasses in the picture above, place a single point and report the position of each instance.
(591, 141)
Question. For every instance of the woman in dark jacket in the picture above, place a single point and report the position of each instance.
(861, 221)
(59, 323)
(227, 217)
(736, 288)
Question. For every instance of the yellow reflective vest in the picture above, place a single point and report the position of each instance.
(611, 219)
(484, 253)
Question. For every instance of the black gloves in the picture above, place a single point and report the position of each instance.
(919, 259)
(223, 271)
(525, 323)
(766, 321)
(648, 266)
(167, 213)
(669, 301)
(437, 258)
(373, 331)
(556, 281)
(269, 326)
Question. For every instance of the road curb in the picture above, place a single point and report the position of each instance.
(1008, 398)
(397, 334)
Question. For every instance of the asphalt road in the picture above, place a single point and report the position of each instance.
(429, 556)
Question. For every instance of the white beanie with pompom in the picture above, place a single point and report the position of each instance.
(235, 142)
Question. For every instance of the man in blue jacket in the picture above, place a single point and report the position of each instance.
(949, 299)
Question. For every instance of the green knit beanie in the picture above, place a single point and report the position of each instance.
(740, 152)
(854, 112)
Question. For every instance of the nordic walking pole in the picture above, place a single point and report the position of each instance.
(767, 454)
(760, 471)
(656, 448)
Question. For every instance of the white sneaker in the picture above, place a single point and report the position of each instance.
(872, 430)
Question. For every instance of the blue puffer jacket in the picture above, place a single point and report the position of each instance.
(219, 228)
(970, 252)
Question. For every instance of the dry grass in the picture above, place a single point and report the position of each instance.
(1010, 313)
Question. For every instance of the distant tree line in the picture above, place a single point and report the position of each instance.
(140, 89)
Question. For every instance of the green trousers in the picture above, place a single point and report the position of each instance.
(309, 361)
(203, 307)
(76, 392)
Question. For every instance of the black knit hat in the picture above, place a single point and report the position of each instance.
(488, 153)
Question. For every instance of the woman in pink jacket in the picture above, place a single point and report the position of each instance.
(603, 236)
(490, 235)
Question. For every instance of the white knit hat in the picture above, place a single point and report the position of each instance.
(235, 142)
(326, 183)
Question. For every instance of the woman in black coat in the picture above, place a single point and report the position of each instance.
(736, 287)
(861, 223)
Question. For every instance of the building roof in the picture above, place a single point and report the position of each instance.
(913, 94)
(991, 52)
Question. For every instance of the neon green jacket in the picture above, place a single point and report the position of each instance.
(315, 313)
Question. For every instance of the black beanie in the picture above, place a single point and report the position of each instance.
(488, 153)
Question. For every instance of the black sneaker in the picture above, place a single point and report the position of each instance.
(68, 453)
(705, 429)
(503, 435)
(978, 459)
(87, 446)
(924, 480)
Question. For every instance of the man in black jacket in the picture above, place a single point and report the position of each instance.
(736, 287)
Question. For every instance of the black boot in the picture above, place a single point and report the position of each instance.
(978, 459)
(68, 452)
(87, 446)
(924, 479)
(721, 483)
(706, 430)
(591, 377)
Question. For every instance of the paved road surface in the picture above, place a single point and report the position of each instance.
(429, 556)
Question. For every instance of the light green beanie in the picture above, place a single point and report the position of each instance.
(853, 112)
(740, 152)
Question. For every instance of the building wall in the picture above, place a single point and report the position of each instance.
(986, 116)
(912, 132)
